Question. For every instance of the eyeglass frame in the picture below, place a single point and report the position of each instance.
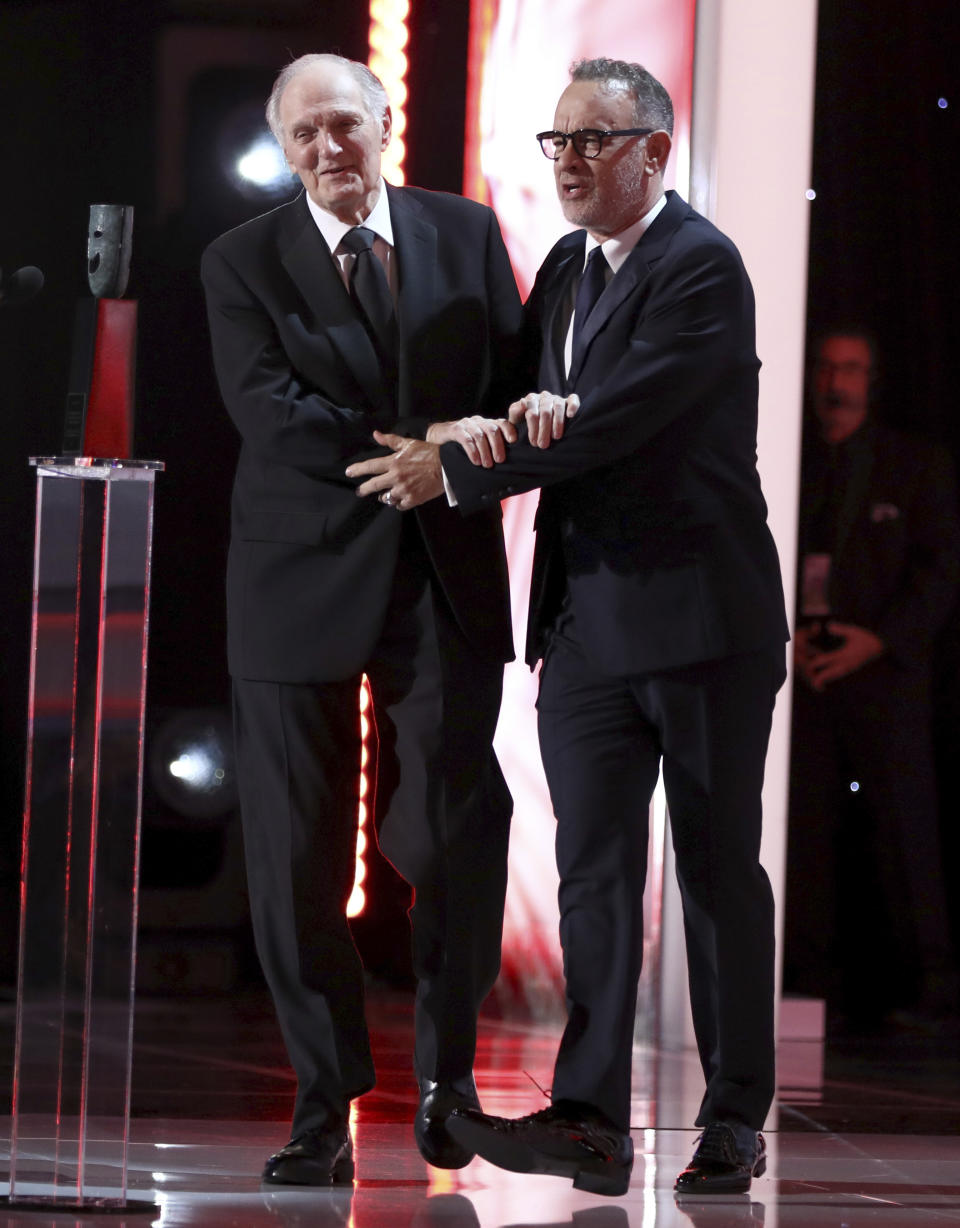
(572, 138)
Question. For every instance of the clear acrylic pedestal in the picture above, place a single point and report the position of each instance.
(80, 861)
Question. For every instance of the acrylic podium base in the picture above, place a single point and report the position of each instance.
(90, 1204)
(79, 885)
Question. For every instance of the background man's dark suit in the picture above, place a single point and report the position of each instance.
(323, 586)
(656, 590)
(870, 865)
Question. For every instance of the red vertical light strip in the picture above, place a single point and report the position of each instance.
(358, 897)
(388, 38)
(483, 14)
(389, 34)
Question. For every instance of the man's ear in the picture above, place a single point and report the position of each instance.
(387, 124)
(658, 150)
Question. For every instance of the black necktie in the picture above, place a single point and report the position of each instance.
(369, 290)
(592, 285)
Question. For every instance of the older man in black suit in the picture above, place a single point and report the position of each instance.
(357, 307)
(657, 609)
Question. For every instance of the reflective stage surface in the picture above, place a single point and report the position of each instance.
(865, 1132)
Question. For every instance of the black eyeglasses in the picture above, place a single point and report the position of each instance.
(586, 141)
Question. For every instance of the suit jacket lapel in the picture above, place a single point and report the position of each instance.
(650, 247)
(556, 293)
(306, 258)
(415, 248)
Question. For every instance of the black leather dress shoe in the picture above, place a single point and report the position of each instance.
(726, 1160)
(565, 1140)
(323, 1156)
(437, 1102)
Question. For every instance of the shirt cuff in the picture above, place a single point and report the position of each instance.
(448, 489)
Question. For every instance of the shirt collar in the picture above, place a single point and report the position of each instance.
(619, 247)
(333, 230)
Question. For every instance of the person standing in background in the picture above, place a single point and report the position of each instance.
(866, 922)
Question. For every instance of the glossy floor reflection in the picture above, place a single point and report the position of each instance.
(863, 1133)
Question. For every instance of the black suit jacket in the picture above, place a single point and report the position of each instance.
(311, 565)
(652, 516)
(896, 557)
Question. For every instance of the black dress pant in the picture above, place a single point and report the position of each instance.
(442, 812)
(602, 740)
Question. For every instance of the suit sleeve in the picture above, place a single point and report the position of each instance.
(513, 363)
(279, 416)
(505, 374)
(695, 330)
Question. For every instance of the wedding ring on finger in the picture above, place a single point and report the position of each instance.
(387, 498)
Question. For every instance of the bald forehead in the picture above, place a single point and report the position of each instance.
(320, 87)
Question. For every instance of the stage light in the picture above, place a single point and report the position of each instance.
(249, 157)
(192, 765)
(263, 165)
(388, 37)
(942, 103)
(197, 768)
(810, 194)
(194, 928)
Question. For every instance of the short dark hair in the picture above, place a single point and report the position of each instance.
(652, 105)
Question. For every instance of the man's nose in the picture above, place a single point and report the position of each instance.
(827, 374)
(568, 156)
(327, 143)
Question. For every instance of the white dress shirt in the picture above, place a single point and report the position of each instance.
(615, 252)
(378, 221)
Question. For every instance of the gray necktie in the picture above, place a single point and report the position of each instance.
(370, 292)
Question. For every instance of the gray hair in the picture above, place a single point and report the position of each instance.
(371, 87)
(652, 105)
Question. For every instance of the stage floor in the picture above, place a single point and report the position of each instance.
(864, 1132)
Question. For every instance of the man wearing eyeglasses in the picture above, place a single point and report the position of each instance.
(657, 611)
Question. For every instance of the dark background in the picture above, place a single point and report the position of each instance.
(121, 102)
